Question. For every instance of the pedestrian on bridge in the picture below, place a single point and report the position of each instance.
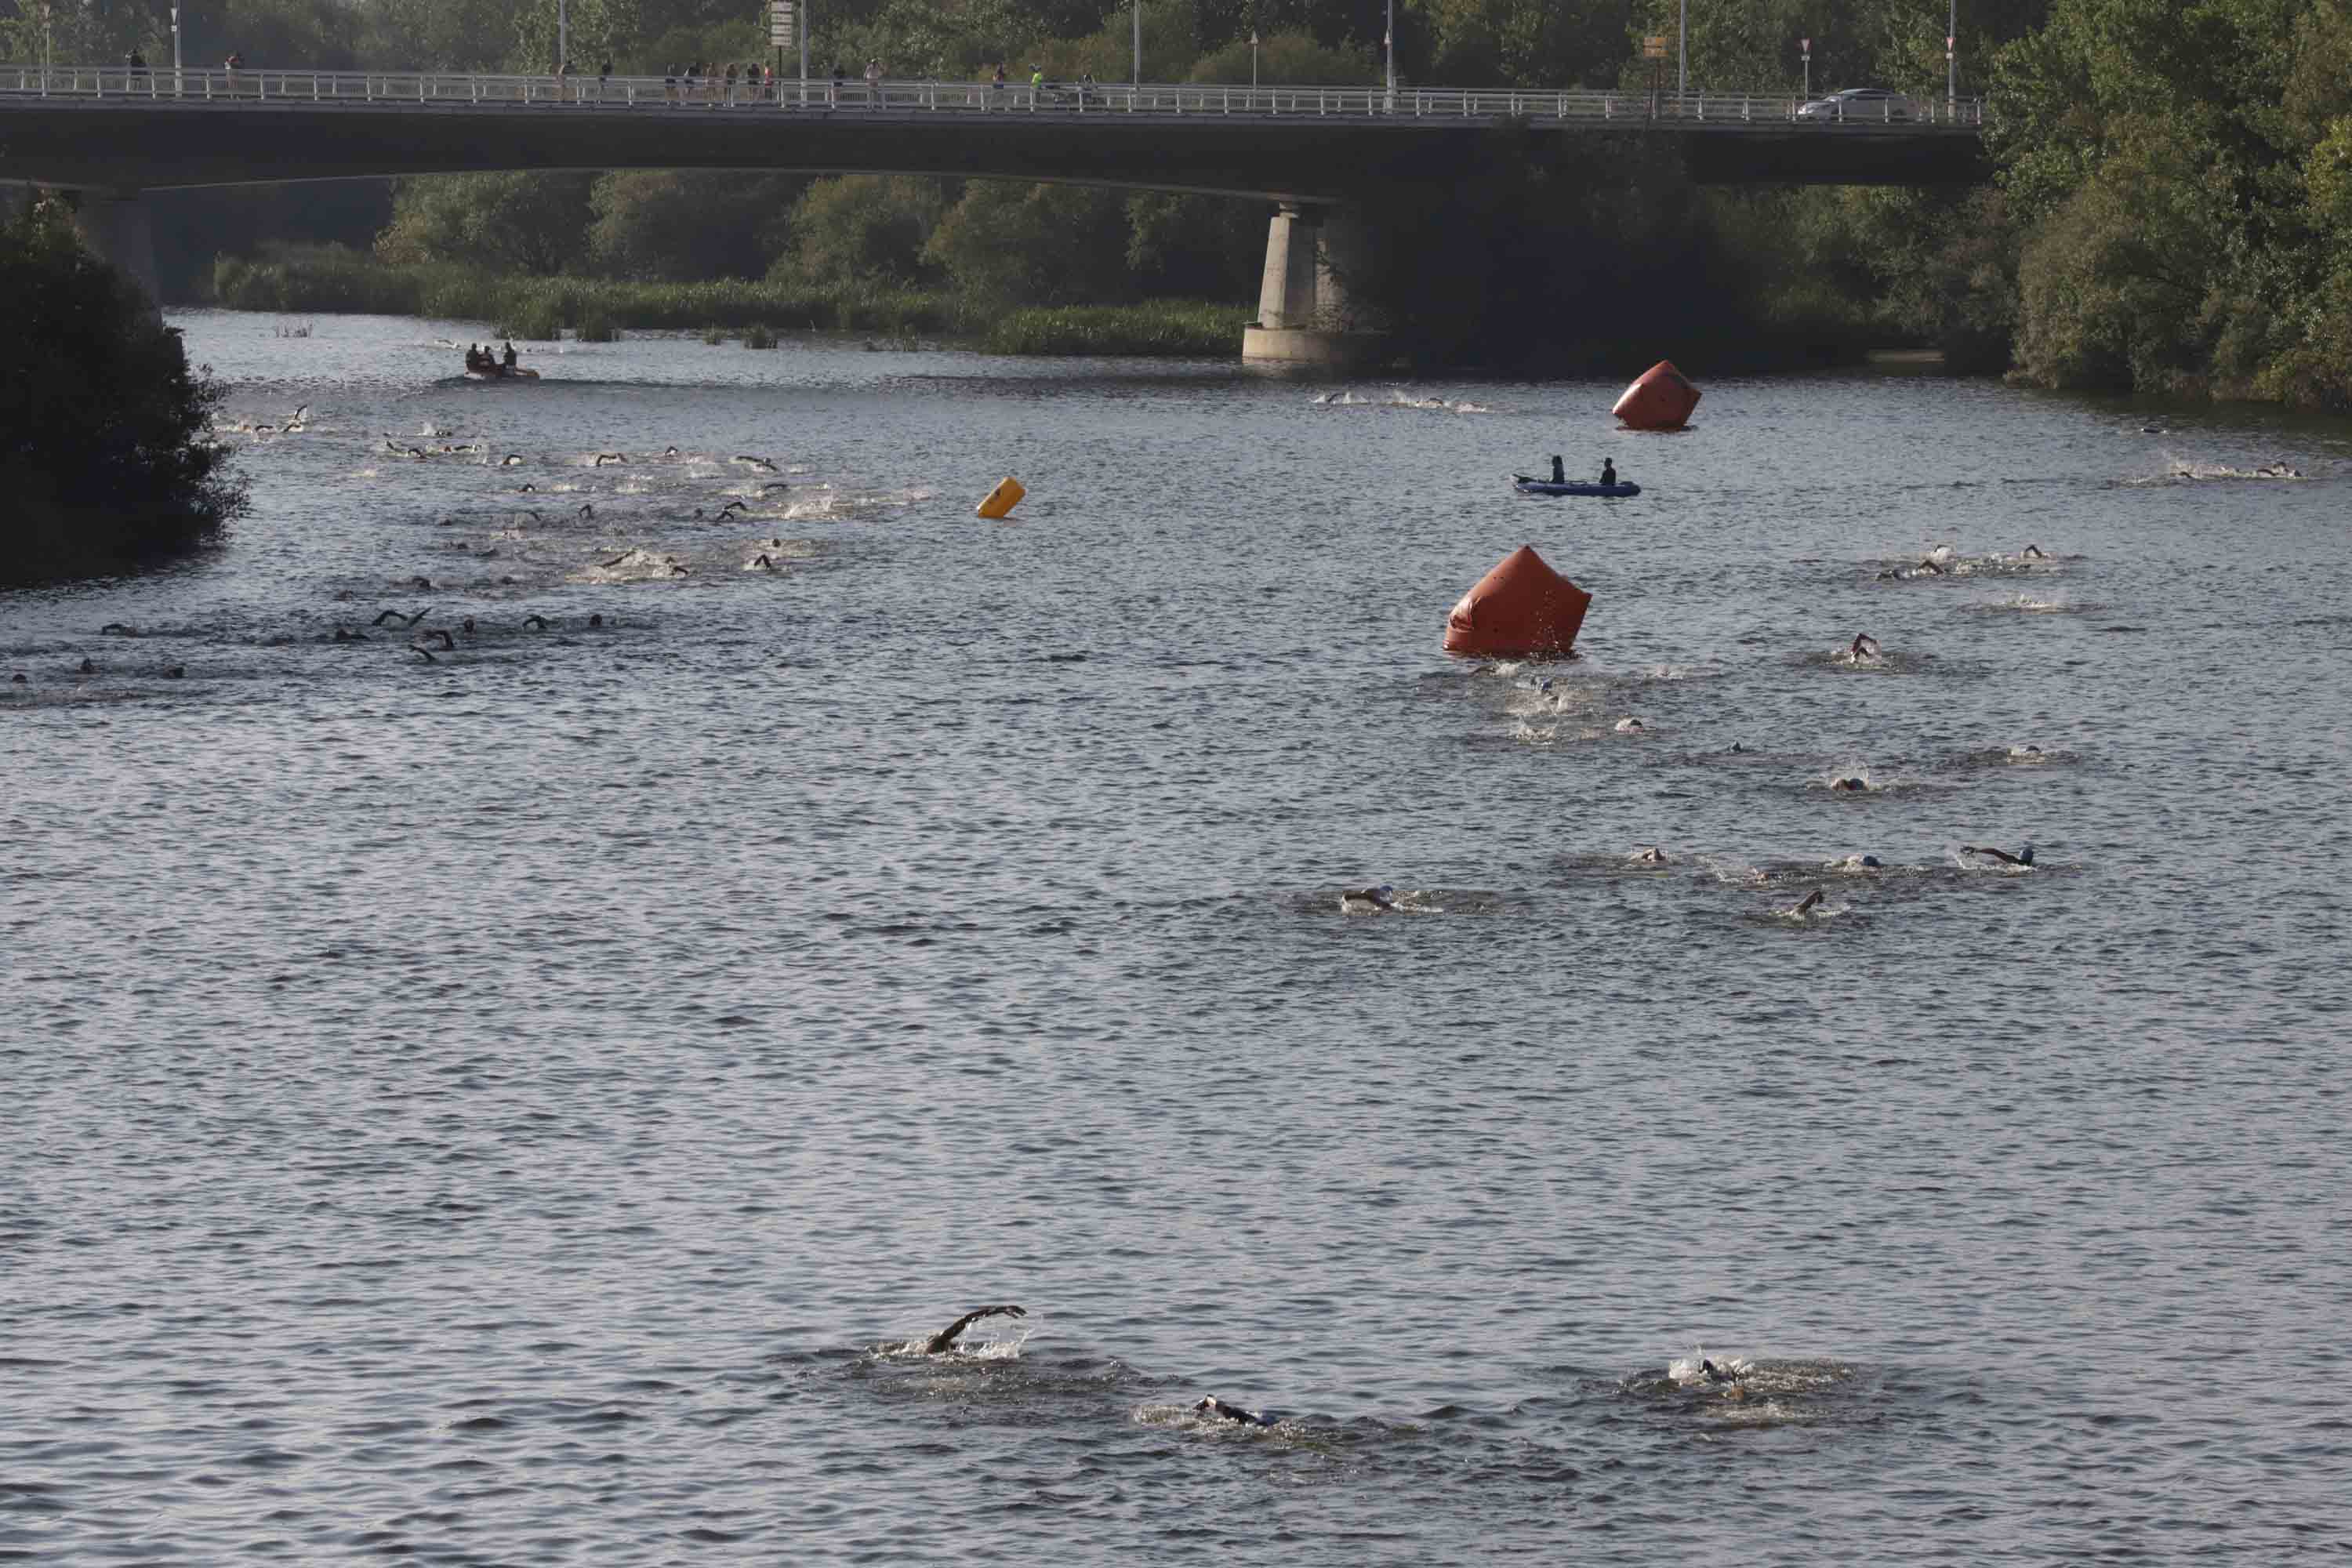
(873, 82)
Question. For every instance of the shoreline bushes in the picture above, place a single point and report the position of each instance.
(106, 455)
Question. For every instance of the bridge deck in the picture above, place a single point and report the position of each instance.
(159, 128)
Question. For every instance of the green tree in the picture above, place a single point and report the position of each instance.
(1033, 245)
(105, 448)
(1288, 59)
(533, 223)
(678, 225)
(863, 228)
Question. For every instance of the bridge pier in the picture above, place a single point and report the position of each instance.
(1302, 314)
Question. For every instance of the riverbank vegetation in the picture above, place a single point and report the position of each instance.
(2170, 205)
(106, 457)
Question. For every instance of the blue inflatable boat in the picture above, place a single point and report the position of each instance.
(1527, 487)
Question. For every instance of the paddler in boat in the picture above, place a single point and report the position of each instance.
(509, 360)
(1558, 471)
(1608, 471)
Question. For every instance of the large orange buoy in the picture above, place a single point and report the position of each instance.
(1660, 398)
(1521, 609)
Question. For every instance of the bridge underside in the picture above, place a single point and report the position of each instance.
(1324, 172)
(1304, 158)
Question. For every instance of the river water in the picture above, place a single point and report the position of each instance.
(504, 1108)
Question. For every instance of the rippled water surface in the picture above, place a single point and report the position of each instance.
(505, 1107)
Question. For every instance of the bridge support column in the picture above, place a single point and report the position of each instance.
(1303, 316)
(119, 229)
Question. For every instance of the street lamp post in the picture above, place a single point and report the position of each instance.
(1952, 62)
(1388, 41)
(1682, 51)
(1805, 47)
(1253, 68)
(1137, 74)
(562, 33)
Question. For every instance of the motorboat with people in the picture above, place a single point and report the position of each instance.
(485, 363)
(1559, 484)
(1531, 487)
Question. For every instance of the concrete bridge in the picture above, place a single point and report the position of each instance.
(1320, 154)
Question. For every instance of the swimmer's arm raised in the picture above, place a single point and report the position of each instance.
(944, 1340)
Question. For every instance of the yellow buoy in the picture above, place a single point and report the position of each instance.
(1003, 498)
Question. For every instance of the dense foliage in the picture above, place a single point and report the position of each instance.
(105, 455)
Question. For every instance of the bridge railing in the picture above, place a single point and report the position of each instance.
(217, 84)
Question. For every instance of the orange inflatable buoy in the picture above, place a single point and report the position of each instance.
(997, 502)
(1660, 398)
(1521, 609)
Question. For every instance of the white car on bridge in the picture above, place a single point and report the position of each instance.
(1876, 105)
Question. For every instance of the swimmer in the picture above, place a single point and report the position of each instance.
(2022, 857)
(669, 451)
(1856, 863)
(595, 620)
(762, 464)
(468, 628)
(1858, 651)
(534, 623)
(424, 582)
(415, 452)
(587, 509)
(1649, 855)
(731, 506)
(344, 634)
(18, 679)
(2032, 553)
(1379, 897)
(449, 643)
(1850, 785)
(425, 654)
(176, 672)
(1631, 726)
(677, 571)
(86, 667)
(1217, 1409)
(1810, 899)
(511, 461)
(763, 561)
(528, 489)
(616, 560)
(945, 1339)
(117, 628)
(1926, 566)
(604, 457)
(1715, 1374)
(775, 485)
(403, 620)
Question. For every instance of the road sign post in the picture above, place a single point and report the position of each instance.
(783, 28)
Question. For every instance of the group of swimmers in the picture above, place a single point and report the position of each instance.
(1730, 1374)
(482, 359)
(944, 1341)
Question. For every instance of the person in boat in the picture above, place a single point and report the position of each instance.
(1608, 471)
(2022, 857)
(473, 357)
(945, 1339)
(509, 360)
(1558, 471)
